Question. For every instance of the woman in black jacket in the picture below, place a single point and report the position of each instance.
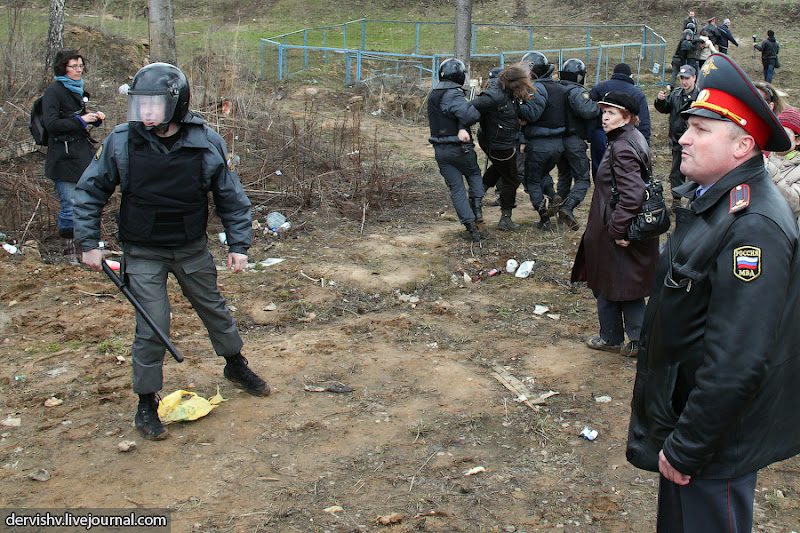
(69, 147)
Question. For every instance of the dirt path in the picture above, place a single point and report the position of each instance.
(396, 321)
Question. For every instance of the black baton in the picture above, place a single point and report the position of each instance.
(123, 287)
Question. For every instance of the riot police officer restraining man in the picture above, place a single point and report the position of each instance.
(543, 128)
(165, 161)
(573, 166)
(450, 116)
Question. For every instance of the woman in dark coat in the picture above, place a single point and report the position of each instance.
(619, 272)
(69, 147)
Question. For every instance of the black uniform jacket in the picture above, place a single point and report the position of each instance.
(718, 376)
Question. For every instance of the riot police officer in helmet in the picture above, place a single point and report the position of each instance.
(574, 166)
(450, 116)
(165, 161)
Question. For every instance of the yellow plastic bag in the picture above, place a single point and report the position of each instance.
(176, 407)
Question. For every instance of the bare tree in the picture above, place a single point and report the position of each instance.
(55, 35)
(162, 31)
(463, 45)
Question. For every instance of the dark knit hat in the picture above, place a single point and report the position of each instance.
(623, 68)
(620, 100)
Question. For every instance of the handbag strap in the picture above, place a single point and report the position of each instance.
(642, 164)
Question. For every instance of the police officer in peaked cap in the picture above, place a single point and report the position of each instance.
(717, 385)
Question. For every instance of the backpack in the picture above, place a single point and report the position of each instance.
(38, 131)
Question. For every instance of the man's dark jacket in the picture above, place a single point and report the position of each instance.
(769, 50)
(499, 129)
(675, 103)
(718, 376)
(725, 36)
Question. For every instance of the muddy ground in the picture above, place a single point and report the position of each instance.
(400, 307)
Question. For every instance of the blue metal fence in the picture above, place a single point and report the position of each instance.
(415, 49)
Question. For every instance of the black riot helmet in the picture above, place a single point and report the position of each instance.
(537, 64)
(691, 26)
(453, 70)
(159, 94)
(688, 35)
(573, 70)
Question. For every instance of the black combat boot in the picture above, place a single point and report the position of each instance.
(147, 421)
(566, 215)
(544, 218)
(477, 208)
(472, 229)
(506, 223)
(237, 372)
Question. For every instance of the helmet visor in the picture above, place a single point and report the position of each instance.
(151, 109)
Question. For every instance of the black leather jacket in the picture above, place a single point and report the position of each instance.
(676, 102)
(718, 376)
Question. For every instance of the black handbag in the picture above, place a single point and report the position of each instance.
(653, 219)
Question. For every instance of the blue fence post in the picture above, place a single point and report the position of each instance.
(474, 39)
(344, 35)
(358, 66)
(416, 42)
(325, 43)
(363, 37)
(644, 41)
(305, 48)
(530, 37)
(347, 66)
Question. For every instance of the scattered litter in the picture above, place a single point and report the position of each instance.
(10, 248)
(539, 310)
(40, 475)
(494, 272)
(467, 278)
(408, 298)
(589, 434)
(11, 422)
(394, 518)
(524, 269)
(329, 386)
(124, 88)
(603, 399)
(511, 266)
(120, 359)
(270, 307)
(274, 220)
(517, 387)
(223, 238)
(52, 402)
(473, 471)
(126, 446)
(333, 509)
(553, 316)
(173, 408)
(278, 173)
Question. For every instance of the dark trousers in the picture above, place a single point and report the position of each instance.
(503, 174)
(706, 505)
(599, 143)
(618, 318)
(573, 171)
(458, 162)
(676, 177)
(146, 269)
(541, 156)
(769, 70)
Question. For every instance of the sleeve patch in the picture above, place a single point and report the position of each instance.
(747, 263)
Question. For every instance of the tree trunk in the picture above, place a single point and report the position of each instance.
(463, 45)
(55, 36)
(162, 32)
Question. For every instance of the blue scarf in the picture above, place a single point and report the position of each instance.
(72, 85)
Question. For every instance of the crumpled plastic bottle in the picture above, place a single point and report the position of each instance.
(275, 220)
